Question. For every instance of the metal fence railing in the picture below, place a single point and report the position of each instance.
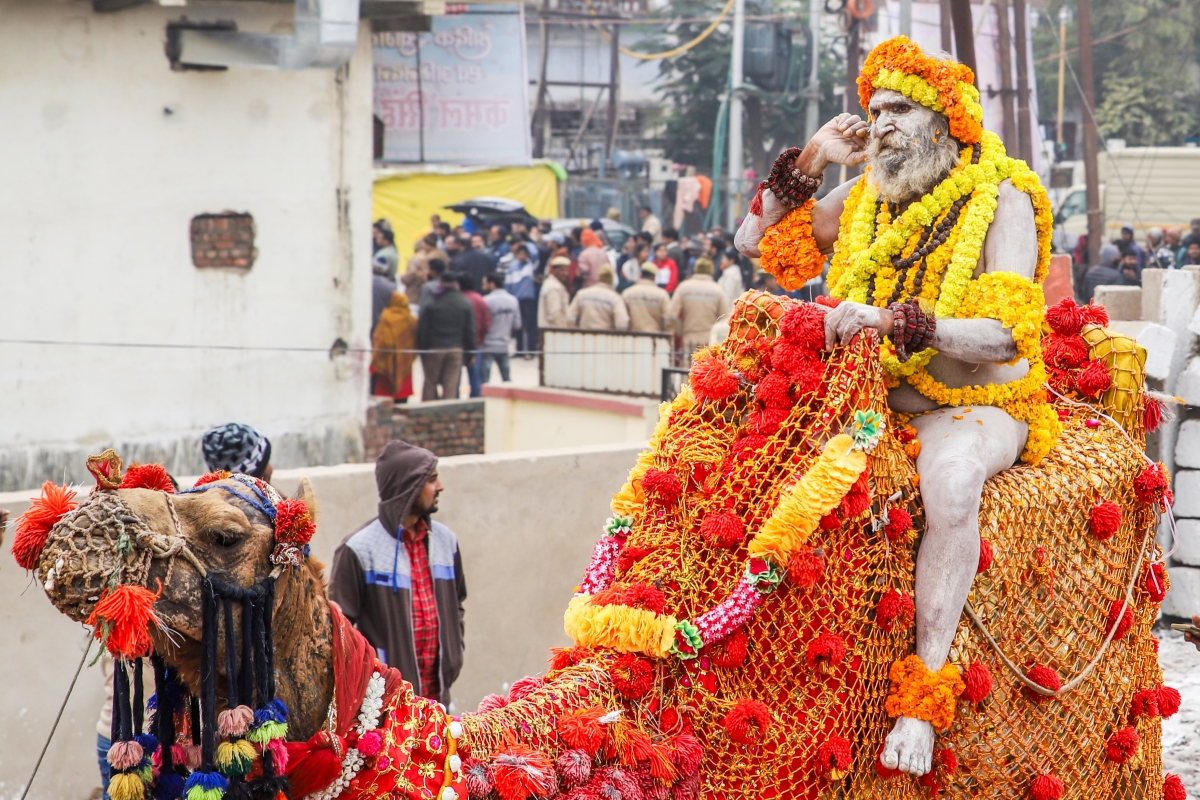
(618, 362)
(673, 380)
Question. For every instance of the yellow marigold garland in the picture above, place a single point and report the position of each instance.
(917, 693)
(800, 508)
(947, 87)
(789, 251)
(620, 628)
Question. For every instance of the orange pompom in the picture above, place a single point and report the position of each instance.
(293, 522)
(148, 476)
(33, 527)
(1122, 745)
(1044, 677)
(1105, 520)
(124, 616)
(723, 529)
(986, 556)
(519, 772)
(582, 730)
(1047, 787)
(711, 379)
(978, 682)
(806, 567)
(747, 722)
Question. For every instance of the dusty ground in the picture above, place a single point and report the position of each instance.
(1181, 733)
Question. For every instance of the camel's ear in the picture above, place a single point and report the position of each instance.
(304, 493)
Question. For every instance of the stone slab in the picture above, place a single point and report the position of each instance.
(1122, 302)
(1158, 340)
(1188, 385)
(1187, 494)
(1152, 288)
(1187, 534)
(1187, 446)
(1183, 600)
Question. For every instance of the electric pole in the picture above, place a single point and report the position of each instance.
(1090, 144)
(1025, 136)
(1004, 43)
(906, 18)
(944, 20)
(1063, 14)
(734, 193)
(964, 32)
(812, 108)
(850, 101)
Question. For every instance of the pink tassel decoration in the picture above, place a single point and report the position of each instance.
(235, 721)
(125, 755)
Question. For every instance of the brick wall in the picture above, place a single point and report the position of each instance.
(223, 240)
(446, 428)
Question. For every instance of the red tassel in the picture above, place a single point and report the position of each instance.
(126, 614)
(294, 525)
(34, 525)
(315, 764)
(148, 476)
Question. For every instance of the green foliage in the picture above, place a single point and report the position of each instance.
(1145, 89)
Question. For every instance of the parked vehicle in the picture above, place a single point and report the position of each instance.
(617, 232)
(484, 212)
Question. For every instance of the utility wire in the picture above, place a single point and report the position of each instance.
(1110, 37)
(683, 48)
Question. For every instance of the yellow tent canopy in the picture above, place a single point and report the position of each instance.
(409, 198)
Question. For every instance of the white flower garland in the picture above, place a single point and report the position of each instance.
(368, 720)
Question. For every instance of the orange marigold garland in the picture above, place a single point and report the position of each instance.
(747, 722)
(918, 693)
(789, 251)
(33, 527)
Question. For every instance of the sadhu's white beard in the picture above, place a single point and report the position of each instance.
(907, 165)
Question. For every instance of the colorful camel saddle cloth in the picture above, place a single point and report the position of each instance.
(747, 606)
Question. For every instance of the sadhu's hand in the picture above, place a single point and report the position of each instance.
(842, 140)
(1191, 637)
(846, 321)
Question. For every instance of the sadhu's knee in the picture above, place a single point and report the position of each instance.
(951, 485)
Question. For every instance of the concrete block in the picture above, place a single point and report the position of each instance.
(1122, 302)
(1187, 493)
(1187, 446)
(1183, 600)
(1188, 385)
(1152, 287)
(1187, 533)
(1160, 343)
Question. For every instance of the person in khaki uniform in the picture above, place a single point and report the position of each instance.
(698, 303)
(554, 297)
(599, 307)
(649, 305)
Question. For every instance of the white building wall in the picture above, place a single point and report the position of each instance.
(105, 156)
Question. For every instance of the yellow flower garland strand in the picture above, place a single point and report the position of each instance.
(620, 628)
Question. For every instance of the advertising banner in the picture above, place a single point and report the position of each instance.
(458, 93)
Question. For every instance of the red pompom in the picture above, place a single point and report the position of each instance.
(1094, 314)
(525, 687)
(630, 555)
(809, 378)
(948, 759)
(854, 504)
(563, 657)
(806, 568)
(490, 703)
(831, 521)
(1105, 520)
(899, 523)
(581, 729)
(519, 772)
(723, 529)
(826, 650)
(1046, 787)
(766, 421)
(33, 527)
(1168, 701)
(211, 477)
(745, 448)
(293, 522)
(1151, 484)
(1044, 677)
(1064, 352)
(986, 557)
(1144, 704)
(894, 611)
(731, 652)
(1093, 380)
(789, 357)
(1123, 623)
(1065, 318)
(148, 476)
(1153, 414)
(804, 325)
(774, 391)
(833, 756)
(478, 777)
(1173, 788)
(632, 676)
(633, 595)
(662, 487)
(1122, 745)
(747, 722)
(125, 614)
(686, 753)
(574, 768)
(1155, 582)
(827, 301)
(711, 379)
(978, 682)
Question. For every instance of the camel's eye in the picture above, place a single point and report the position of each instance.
(224, 538)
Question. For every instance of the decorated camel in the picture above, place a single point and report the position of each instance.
(812, 585)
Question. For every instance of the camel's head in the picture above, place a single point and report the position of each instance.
(156, 539)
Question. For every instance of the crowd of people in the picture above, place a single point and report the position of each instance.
(1123, 259)
(471, 298)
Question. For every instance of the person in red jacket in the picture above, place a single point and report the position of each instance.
(668, 270)
(483, 321)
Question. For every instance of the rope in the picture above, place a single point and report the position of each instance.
(683, 48)
(87, 649)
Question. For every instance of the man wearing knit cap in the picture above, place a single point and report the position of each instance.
(649, 304)
(235, 447)
(698, 303)
(598, 307)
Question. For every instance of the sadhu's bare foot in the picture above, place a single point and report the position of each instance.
(909, 747)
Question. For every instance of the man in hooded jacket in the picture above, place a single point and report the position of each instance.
(399, 578)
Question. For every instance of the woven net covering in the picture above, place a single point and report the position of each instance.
(1045, 600)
